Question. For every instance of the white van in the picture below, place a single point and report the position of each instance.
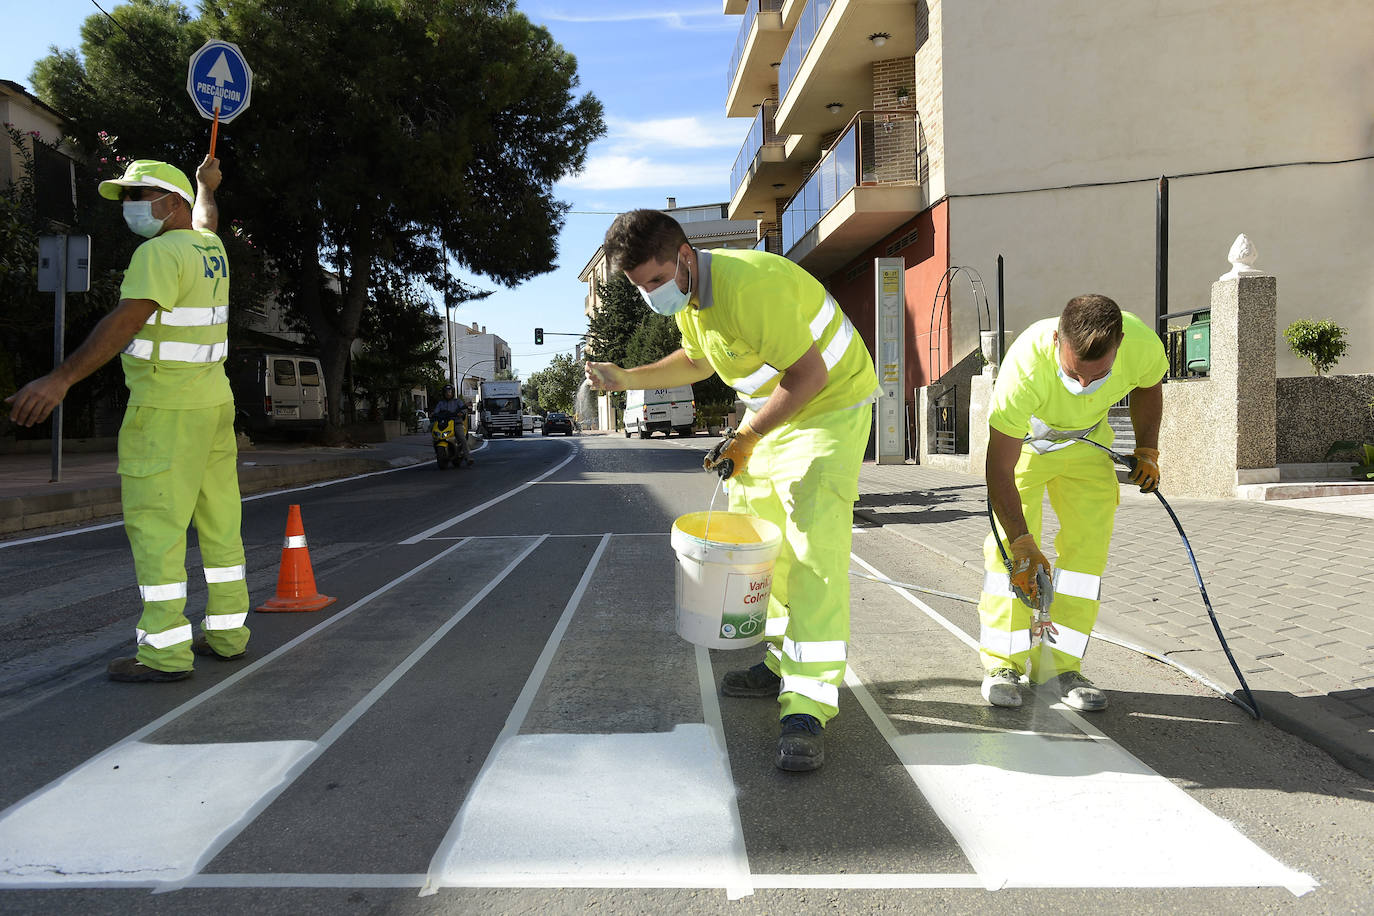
(276, 390)
(665, 410)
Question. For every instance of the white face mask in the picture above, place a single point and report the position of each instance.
(1075, 388)
(138, 216)
(668, 299)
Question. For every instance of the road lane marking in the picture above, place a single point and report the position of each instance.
(139, 813)
(172, 807)
(860, 881)
(1005, 796)
(598, 810)
(415, 539)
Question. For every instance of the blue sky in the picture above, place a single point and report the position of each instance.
(660, 76)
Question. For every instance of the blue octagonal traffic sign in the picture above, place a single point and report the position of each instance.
(219, 78)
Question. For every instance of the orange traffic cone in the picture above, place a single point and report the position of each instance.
(296, 580)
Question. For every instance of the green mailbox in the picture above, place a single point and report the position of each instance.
(1197, 344)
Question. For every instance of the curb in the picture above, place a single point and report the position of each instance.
(74, 506)
(1344, 740)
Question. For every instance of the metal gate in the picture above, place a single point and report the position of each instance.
(946, 422)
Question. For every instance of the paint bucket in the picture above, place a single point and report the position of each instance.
(724, 576)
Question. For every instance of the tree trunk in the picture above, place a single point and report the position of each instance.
(336, 329)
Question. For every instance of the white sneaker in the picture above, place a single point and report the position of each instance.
(1002, 687)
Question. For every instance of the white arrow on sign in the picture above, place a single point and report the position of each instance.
(221, 74)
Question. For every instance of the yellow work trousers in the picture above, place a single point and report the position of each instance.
(804, 478)
(178, 467)
(1084, 494)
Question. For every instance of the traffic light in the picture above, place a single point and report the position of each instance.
(538, 337)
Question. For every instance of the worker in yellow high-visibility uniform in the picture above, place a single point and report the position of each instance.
(770, 330)
(1056, 385)
(177, 450)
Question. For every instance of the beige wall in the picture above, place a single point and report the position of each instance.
(1063, 92)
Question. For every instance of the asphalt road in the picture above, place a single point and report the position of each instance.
(498, 716)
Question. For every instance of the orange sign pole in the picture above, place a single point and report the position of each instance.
(214, 130)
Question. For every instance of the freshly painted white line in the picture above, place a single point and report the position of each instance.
(609, 810)
(245, 499)
(816, 882)
(710, 706)
(1091, 794)
(489, 503)
(929, 611)
(139, 813)
(273, 880)
(617, 810)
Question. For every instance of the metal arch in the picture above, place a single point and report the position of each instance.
(937, 311)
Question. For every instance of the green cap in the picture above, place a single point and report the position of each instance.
(149, 173)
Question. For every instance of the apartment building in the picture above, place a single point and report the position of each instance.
(949, 133)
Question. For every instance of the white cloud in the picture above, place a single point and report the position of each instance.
(614, 171)
(677, 133)
(674, 19)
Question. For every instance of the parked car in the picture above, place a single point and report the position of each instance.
(558, 423)
(421, 421)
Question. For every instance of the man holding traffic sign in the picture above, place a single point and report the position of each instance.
(177, 450)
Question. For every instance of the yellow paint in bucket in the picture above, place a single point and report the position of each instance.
(724, 577)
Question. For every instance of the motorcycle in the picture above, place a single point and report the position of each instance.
(449, 448)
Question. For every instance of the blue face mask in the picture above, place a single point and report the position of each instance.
(668, 299)
(1074, 388)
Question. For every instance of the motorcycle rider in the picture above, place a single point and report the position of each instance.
(452, 407)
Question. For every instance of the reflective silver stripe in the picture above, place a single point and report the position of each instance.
(773, 651)
(832, 650)
(167, 638)
(225, 621)
(998, 584)
(776, 626)
(756, 379)
(176, 351)
(1005, 643)
(1070, 641)
(823, 318)
(169, 592)
(223, 573)
(140, 348)
(193, 318)
(753, 403)
(835, 350)
(295, 540)
(812, 689)
(1077, 584)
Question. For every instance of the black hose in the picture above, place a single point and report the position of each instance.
(1252, 707)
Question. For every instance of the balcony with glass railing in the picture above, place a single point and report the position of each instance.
(827, 66)
(761, 154)
(770, 240)
(866, 185)
(758, 46)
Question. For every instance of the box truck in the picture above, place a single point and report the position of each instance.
(498, 409)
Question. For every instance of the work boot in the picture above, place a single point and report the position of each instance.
(754, 681)
(201, 646)
(133, 671)
(1002, 687)
(801, 746)
(1079, 692)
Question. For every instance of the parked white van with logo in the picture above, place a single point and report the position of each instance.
(665, 410)
(276, 390)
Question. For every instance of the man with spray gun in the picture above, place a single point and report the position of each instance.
(1054, 389)
(770, 330)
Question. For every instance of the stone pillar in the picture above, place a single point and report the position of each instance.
(1219, 432)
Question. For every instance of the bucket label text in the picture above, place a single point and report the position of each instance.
(746, 605)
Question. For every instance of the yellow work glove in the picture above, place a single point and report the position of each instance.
(730, 455)
(1028, 565)
(1145, 474)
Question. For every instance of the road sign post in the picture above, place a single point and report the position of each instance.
(64, 265)
(220, 82)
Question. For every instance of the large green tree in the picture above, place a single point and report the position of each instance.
(556, 385)
(382, 135)
(403, 342)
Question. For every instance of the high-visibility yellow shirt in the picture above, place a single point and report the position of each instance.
(1029, 398)
(176, 360)
(757, 314)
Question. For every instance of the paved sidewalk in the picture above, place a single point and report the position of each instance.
(89, 488)
(1292, 588)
